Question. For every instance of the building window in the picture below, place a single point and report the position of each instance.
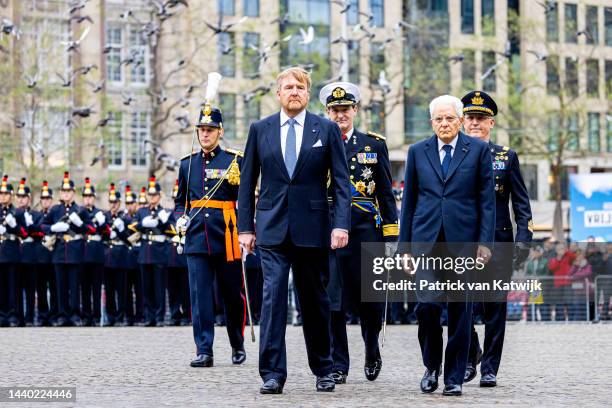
(377, 61)
(114, 39)
(593, 136)
(252, 112)
(377, 116)
(377, 8)
(571, 23)
(609, 79)
(227, 104)
(609, 134)
(468, 70)
(114, 140)
(139, 49)
(573, 142)
(552, 23)
(39, 34)
(226, 58)
(564, 175)
(571, 76)
(227, 7)
(250, 55)
(489, 84)
(352, 15)
(554, 132)
(592, 82)
(608, 25)
(488, 17)
(530, 176)
(354, 61)
(251, 8)
(308, 11)
(592, 25)
(467, 16)
(139, 132)
(552, 76)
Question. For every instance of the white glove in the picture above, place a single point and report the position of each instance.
(2, 230)
(149, 222)
(28, 218)
(163, 216)
(119, 224)
(113, 235)
(10, 220)
(76, 220)
(60, 227)
(182, 224)
(390, 248)
(100, 218)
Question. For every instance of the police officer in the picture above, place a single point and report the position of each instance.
(373, 219)
(46, 284)
(10, 233)
(116, 259)
(67, 223)
(134, 301)
(211, 242)
(154, 224)
(479, 112)
(178, 279)
(93, 258)
(28, 264)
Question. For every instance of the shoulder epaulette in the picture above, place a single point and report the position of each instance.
(376, 135)
(235, 152)
(505, 148)
(188, 155)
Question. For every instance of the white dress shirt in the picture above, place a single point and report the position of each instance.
(441, 144)
(349, 134)
(299, 130)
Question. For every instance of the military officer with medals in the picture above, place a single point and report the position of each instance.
(11, 231)
(66, 224)
(178, 279)
(373, 219)
(93, 258)
(116, 259)
(206, 210)
(479, 112)
(154, 224)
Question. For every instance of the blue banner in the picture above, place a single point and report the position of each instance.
(591, 207)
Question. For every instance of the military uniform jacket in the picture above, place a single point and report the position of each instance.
(9, 241)
(33, 237)
(117, 252)
(207, 231)
(70, 245)
(152, 249)
(509, 184)
(43, 255)
(373, 209)
(133, 249)
(94, 243)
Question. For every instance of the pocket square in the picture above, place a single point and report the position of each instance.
(318, 143)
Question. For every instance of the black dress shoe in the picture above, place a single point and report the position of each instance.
(488, 380)
(372, 369)
(238, 356)
(159, 324)
(453, 390)
(185, 323)
(149, 323)
(339, 377)
(272, 386)
(202, 360)
(470, 373)
(325, 383)
(429, 382)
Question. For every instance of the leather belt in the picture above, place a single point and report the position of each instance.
(154, 238)
(232, 248)
(27, 240)
(117, 243)
(8, 237)
(96, 238)
(68, 237)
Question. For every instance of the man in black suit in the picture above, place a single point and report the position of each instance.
(295, 152)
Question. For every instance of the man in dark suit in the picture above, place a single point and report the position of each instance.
(448, 197)
(295, 152)
(479, 110)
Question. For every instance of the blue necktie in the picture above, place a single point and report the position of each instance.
(290, 154)
(446, 160)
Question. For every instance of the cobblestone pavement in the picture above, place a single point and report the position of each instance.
(544, 365)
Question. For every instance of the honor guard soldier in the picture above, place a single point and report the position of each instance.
(10, 233)
(479, 112)
(154, 225)
(178, 279)
(44, 269)
(116, 260)
(373, 219)
(206, 207)
(134, 301)
(28, 266)
(93, 258)
(66, 224)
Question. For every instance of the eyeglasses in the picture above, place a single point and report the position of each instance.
(440, 119)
